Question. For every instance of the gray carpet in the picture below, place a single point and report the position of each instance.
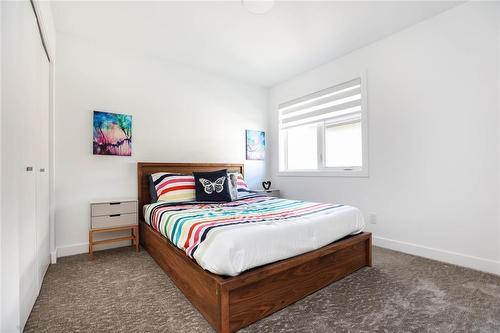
(124, 291)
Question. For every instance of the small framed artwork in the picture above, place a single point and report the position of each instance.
(256, 144)
(112, 134)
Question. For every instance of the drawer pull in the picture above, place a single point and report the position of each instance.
(114, 215)
(115, 203)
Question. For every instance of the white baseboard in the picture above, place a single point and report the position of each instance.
(70, 250)
(480, 264)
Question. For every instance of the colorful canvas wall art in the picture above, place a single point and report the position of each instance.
(256, 145)
(112, 134)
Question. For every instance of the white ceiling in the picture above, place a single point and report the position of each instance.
(224, 38)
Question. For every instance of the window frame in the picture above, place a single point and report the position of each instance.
(323, 170)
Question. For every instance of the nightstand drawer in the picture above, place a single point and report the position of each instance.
(272, 193)
(269, 193)
(113, 220)
(111, 208)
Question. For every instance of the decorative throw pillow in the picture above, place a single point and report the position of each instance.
(212, 186)
(152, 189)
(171, 187)
(233, 185)
(241, 184)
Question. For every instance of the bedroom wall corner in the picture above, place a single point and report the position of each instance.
(180, 114)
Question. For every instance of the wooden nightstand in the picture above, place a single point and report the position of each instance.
(113, 215)
(269, 193)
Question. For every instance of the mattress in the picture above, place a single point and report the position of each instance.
(230, 238)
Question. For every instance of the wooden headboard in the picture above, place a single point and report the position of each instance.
(146, 168)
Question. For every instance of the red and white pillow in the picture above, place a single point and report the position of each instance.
(241, 184)
(170, 187)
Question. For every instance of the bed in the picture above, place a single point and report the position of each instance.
(245, 291)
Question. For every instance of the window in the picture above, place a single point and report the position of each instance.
(325, 132)
(302, 148)
(343, 145)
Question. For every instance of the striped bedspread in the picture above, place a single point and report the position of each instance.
(188, 225)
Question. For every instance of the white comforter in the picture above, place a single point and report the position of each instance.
(262, 230)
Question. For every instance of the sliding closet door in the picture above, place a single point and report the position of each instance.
(27, 118)
(42, 172)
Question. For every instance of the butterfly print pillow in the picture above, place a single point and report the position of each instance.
(212, 186)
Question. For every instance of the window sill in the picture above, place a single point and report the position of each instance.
(324, 173)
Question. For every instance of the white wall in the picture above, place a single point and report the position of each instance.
(179, 115)
(433, 110)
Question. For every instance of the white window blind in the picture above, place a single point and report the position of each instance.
(325, 132)
(341, 102)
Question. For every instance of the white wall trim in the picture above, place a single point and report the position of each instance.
(53, 257)
(80, 248)
(69, 250)
(476, 263)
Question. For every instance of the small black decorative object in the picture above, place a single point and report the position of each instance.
(266, 185)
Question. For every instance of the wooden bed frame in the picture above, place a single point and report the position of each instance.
(230, 303)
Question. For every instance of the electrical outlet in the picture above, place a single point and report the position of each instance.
(372, 217)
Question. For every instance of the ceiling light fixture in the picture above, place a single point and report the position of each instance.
(258, 6)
